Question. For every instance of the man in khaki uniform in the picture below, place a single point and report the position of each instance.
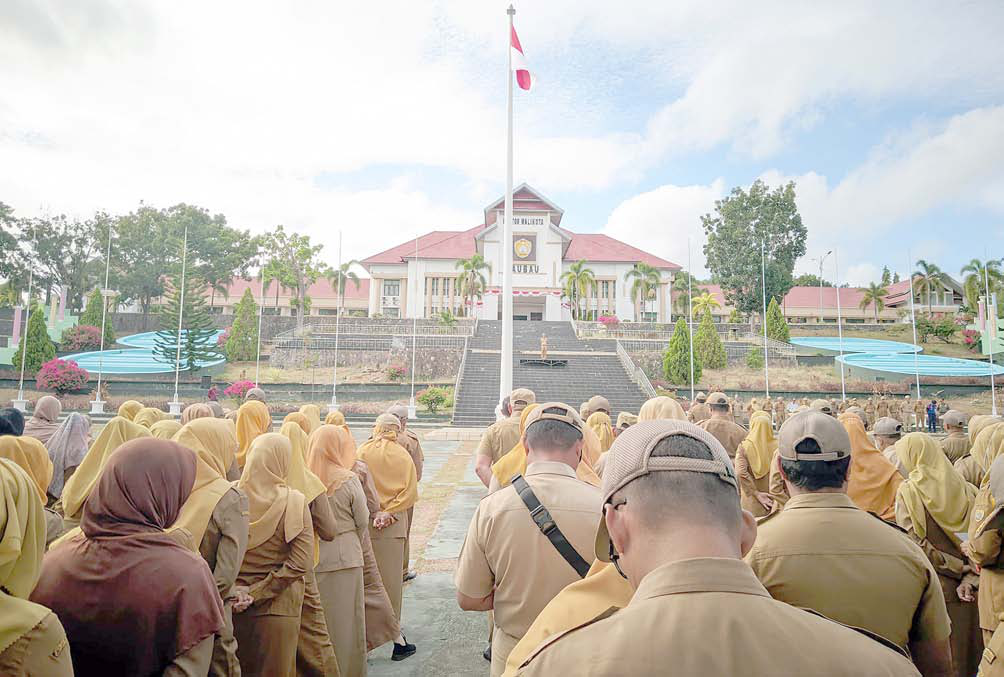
(869, 409)
(503, 435)
(984, 546)
(596, 403)
(882, 408)
(699, 411)
(673, 527)
(409, 440)
(886, 434)
(821, 552)
(507, 563)
(919, 414)
(780, 413)
(721, 426)
(956, 445)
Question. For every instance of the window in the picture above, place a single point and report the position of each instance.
(270, 311)
(391, 312)
(435, 286)
(392, 287)
(327, 311)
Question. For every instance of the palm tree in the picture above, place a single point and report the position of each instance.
(927, 278)
(977, 274)
(680, 291)
(339, 278)
(704, 303)
(874, 296)
(472, 279)
(644, 280)
(577, 281)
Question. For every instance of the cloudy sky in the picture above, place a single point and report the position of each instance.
(384, 119)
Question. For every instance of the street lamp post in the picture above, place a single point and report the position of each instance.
(820, 261)
(97, 404)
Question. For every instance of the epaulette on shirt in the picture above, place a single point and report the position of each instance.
(890, 524)
(765, 518)
(555, 638)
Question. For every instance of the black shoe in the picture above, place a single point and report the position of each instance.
(402, 651)
(410, 575)
(488, 653)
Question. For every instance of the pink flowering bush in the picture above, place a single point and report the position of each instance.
(221, 340)
(63, 376)
(397, 372)
(80, 338)
(971, 338)
(609, 320)
(238, 390)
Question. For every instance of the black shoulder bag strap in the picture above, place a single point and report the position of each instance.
(542, 518)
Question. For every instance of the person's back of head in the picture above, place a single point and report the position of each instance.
(719, 405)
(11, 422)
(815, 452)
(553, 433)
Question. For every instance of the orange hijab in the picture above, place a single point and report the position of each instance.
(300, 420)
(331, 453)
(253, 420)
(872, 481)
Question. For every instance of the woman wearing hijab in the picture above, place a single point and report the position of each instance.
(396, 483)
(165, 430)
(216, 408)
(253, 420)
(314, 652)
(129, 409)
(661, 407)
(67, 449)
(336, 417)
(967, 466)
(32, 457)
(299, 419)
(280, 552)
(132, 600)
(754, 456)
(32, 640)
(933, 505)
(116, 432)
(215, 518)
(330, 457)
(872, 481)
(147, 416)
(599, 423)
(194, 411)
(313, 414)
(44, 420)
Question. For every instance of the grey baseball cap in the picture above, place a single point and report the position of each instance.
(887, 427)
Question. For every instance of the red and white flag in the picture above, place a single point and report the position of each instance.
(523, 76)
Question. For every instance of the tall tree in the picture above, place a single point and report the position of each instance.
(740, 223)
(65, 251)
(676, 359)
(143, 250)
(886, 276)
(299, 261)
(895, 277)
(577, 282)
(339, 278)
(927, 279)
(977, 274)
(40, 347)
(242, 343)
(472, 280)
(810, 280)
(198, 340)
(644, 279)
(704, 304)
(777, 327)
(12, 255)
(708, 345)
(874, 295)
(217, 253)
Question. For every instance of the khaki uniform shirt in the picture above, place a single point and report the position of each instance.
(699, 412)
(505, 550)
(955, 446)
(970, 470)
(710, 616)
(823, 553)
(352, 518)
(226, 539)
(500, 437)
(43, 650)
(275, 571)
(409, 441)
(728, 433)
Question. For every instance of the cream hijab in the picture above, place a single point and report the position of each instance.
(933, 486)
(313, 414)
(299, 476)
(215, 446)
(661, 407)
(270, 499)
(390, 466)
(331, 454)
(760, 444)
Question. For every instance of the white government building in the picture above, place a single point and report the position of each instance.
(422, 283)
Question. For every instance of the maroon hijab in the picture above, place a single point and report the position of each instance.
(130, 598)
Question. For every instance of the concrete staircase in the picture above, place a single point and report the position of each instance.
(595, 370)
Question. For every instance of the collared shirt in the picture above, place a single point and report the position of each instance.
(711, 616)
(823, 553)
(500, 437)
(505, 550)
(728, 433)
(955, 445)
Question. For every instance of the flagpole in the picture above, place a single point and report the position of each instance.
(261, 312)
(913, 321)
(340, 283)
(20, 403)
(98, 405)
(991, 314)
(690, 318)
(505, 379)
(175, 405)
(763, 318)
(840, 329)
(412, 410)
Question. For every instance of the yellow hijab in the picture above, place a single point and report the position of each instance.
(32, 457)
(760, 444)
(600, 424)
(116, 432)
(987, 446)
(933, 486)
(299, 419)
(147, 416)
(299, 477)
(331, 455)
(334, 417)
(390, 466)
(253, 420)
(514, 461)
(661, 407)
(166, 429)
(22, 542)
(129, 409)
(215, 447)
(978, 423)
(313, 414)
(872, 481)
(270, 499)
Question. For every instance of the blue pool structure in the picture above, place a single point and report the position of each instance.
(138, 358)
(830, 345)
(879, 365)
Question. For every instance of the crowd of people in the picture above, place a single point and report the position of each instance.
(208, 545)
(822, 538)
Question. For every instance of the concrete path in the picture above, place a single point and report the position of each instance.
(450, 641)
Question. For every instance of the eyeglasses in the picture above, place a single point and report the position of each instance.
(614, 504)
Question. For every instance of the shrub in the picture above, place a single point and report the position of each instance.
(40, 346)
(609, 320)
(435, 399)
(971, 338)
(91, 316)
(754, 358)
(777, 328)
(941, 327)
(397, 372)
(221, 340)
(238, 390)
(241, 342)
(63, 376)
(708, 346)
(676, 359)
(80, 338)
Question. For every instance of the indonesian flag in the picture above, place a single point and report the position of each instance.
(523, 76)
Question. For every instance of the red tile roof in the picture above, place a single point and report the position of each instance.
(603, 248)
(808, 297)
(321, 289)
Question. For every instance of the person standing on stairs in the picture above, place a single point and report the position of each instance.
(503, 435)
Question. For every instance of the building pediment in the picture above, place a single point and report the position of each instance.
(525, 199)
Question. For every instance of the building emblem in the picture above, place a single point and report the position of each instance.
(523, 248)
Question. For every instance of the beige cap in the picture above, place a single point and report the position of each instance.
(887, 427)
(954, 418)
(520, 398)
(399, 410)
(821, 405)
(598, 403)
(254, 394)
(701, 397)
(545, 412)
(626, 419)
(388, 421)
(718, 398)
(834, 442)
(630, 457)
